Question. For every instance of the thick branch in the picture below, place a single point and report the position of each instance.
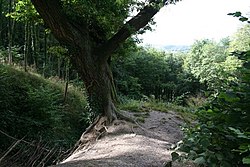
(66, 31)
(132, 26)
(50, 11)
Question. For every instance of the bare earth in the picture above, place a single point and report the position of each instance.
(129, 145)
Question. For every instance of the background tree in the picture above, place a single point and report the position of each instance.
(152, 73)
(211, 63)
(241, 40)
(24, 12)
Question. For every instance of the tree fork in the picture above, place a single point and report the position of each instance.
(91, 57)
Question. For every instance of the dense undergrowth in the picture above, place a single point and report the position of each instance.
(221, 136)
(34, 108)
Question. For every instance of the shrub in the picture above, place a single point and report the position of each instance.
(222, 135)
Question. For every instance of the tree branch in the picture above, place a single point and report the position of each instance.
(50, 11)
(132, 26)
(63, 29)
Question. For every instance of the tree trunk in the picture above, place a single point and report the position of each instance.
(100, 87)
(34, 45)
(1, 23)
(29, 46)
(25, 46)
(66, 78)
(10, 35)
(59, 67)
(45, 53)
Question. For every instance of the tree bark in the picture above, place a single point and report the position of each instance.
(99, 85)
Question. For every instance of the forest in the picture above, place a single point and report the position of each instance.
(65, 65)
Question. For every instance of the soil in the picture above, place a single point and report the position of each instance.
(131, 145)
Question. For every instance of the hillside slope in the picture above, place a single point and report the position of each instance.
(33, 108)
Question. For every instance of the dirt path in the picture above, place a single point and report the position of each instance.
(128, 145)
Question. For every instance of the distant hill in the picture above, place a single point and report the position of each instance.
(168, 48)
(176, 48)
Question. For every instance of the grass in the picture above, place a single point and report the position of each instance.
(154, 105)
(132, 105)
(142, 106)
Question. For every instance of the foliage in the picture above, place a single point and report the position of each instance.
(239, 15)
(146, 104)
(58, 51)
(196, 101)
(33, 107)
(99, 14)
(107, 16)
(211, 64)
(25, 11)
(16, 55)
(154, 74)
(221, 137)
(241, 40)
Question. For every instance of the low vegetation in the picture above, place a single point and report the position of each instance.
(221, 135)
(35, 109)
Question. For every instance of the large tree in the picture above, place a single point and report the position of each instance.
(93, 30)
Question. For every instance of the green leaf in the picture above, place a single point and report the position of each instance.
(225, 164)
(239, 133)
(175, 156)
(200, 160)
(237, 14)
(243, 19)
(246, 160)
(205, 143)
(229, 97)
(219, 156)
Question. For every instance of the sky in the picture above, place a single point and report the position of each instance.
(191, 20)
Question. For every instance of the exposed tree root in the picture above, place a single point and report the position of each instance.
(91, 134)
(129, 119)
(98, 129)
